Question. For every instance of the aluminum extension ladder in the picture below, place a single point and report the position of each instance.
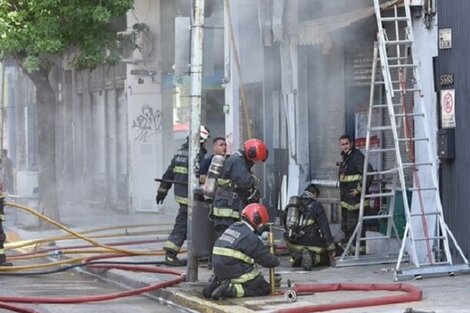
(407, 158)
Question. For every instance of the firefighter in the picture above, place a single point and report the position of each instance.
(237, 184)
(308, 235)
(235, 254)
(351, 169)
(3, 259)
(177, 172)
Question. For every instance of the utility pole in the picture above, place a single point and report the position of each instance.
(197, 40)
(2, 119)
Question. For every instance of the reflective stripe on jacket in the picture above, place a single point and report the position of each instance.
(236, 251)
(234, 185)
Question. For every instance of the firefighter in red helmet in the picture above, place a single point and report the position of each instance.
(235, 254)
(236, 185)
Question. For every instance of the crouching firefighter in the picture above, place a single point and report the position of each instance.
(3, 259)
(235, 254)
(177, 173)
(307, 232)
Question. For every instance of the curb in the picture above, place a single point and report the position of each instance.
(173, 296)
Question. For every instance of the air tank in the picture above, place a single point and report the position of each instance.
(215, 169)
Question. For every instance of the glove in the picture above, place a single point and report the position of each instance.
(332, 257)
(160, 197)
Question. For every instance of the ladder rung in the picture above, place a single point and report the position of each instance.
(418, 164)
(379, 195)
(381, 128)
(409, 114)
(397, 58)
(394, 19)
(402, 65)
(425, 213)
(383, 172)
(423, 189)
(381, 82)
(414, 139)
(429, 238)
(374, 238)
(408, 89)
(382, 150)
(381, 106)
(398, 42)
(376, 217)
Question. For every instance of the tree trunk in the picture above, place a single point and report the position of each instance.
(47, 179)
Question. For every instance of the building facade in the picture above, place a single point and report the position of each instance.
(294, 73)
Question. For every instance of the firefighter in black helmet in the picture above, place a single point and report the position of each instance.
(177, 171)
(235, 254)
(308, 235)
(237, 184)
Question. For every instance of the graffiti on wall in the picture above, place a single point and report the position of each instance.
(148, 123)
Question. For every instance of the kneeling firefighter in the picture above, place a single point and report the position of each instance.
(235, 254)
(307, 232)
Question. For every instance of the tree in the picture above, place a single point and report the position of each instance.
(37, 34)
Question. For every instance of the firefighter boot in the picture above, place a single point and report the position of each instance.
(307, 261)
(210, 287)
(296, 259)
(172, 260)
(3, 261)
(225, 290)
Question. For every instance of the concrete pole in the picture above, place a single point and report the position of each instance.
(2, 119)
(197, 40)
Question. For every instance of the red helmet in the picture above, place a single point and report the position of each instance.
(256, 214)
(256, 150)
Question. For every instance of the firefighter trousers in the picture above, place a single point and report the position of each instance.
(179, 233)
(349, 219)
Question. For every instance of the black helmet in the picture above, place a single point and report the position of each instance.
(311, 191)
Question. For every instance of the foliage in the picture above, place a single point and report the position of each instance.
(37, 32)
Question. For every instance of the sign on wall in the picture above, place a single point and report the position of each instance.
(445, 38)
(448, 108)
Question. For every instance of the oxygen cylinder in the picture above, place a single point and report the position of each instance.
(292, 217)
(215, 169)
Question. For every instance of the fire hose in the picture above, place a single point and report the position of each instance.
(104, 297)
(412, 293)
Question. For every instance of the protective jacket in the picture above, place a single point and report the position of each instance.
(236, 252)
(313, 232)
(178, 171)
(350, 178)
(235, 184)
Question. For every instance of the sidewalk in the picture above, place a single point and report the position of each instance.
(441, 295)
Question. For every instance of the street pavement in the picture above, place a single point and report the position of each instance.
(439, 294)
